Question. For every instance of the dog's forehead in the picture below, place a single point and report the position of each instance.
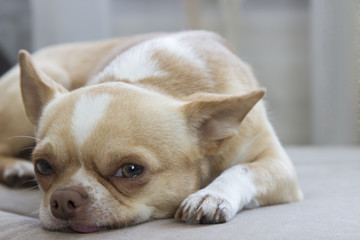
(104, 116)
(81, 110)
(87, 113)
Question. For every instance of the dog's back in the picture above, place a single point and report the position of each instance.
(181, 64)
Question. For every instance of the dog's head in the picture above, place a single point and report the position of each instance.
(115, 154)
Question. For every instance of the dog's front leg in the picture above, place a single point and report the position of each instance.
(263, 182)
(220, 200)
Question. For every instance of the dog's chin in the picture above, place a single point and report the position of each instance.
(79, 227)
(85, 229)
(88, 225)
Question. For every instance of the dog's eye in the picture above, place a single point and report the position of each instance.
(43, 167)
(129, 171)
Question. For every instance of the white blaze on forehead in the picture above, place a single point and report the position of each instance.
(139, 62)
(87, 113)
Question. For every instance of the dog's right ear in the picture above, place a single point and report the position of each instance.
(216, 117)
(37, 88)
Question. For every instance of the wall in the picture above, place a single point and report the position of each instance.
(294, 46)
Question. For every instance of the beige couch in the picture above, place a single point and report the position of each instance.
(330, 179)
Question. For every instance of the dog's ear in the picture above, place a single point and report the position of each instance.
(37, 88)
(216, 118)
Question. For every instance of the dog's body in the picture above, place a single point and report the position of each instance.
(150, 129)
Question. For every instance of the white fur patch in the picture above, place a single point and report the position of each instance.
(139, 62)
(102, 203)
(95, 190)
(87, 114)
(135, 65)
(19, 169)
(230, 192)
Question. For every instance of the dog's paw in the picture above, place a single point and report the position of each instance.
(205, 208)
(19, 174)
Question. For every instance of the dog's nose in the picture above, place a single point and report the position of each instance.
(67, 203)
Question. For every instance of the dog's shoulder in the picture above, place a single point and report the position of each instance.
(179, 64)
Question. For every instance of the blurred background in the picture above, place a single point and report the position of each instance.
(305, 52)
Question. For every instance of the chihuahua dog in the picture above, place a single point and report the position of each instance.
(139, 128)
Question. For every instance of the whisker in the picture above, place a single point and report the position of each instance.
(27, 148)
(29, 185)
(117, 219)
(35, 212)
(32, 181)
(31, 137)
(110, 220)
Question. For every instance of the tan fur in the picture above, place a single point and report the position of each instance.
(58, 63)
(185, 128)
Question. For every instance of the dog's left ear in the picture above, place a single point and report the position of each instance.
(37, 88)
(216, 118)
